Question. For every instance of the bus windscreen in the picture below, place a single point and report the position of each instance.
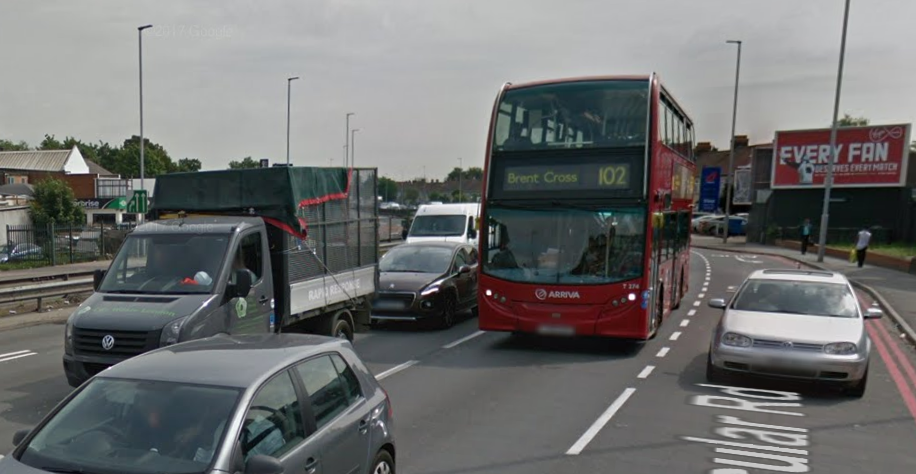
(573, 115)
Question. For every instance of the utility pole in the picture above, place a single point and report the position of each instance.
(460, 172)
(828, 180)
(353, 147)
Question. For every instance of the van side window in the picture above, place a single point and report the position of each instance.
(249, 255)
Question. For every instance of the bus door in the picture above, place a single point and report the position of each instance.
(657, 298)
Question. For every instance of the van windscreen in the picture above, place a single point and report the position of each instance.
(438, 226)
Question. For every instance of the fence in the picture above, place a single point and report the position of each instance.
(60, 245)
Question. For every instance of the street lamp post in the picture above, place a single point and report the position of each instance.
(731, 155)
(828, 180)
(460, 172)
(353, 147)
(289, 82)
(142, 158)
(347, 141)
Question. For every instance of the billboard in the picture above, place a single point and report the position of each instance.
(709, 189)
(742, 193)
(874, 156)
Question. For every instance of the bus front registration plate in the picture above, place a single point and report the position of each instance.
(556, 330)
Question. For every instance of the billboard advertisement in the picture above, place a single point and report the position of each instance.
(709, 189)
(742, 193)
(867, 157)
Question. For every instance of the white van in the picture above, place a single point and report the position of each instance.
(445, 222)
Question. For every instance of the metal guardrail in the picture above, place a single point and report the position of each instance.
(65, 276)
(41, 291)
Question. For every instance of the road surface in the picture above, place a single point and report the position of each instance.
(471, 402)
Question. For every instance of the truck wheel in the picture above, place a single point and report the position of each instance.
(341, 327)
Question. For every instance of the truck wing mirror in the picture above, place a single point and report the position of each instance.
(97, 276)
(242, 284)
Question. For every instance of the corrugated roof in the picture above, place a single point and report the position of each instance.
(95, 168)
(52, 160)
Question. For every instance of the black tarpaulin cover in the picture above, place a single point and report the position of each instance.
(272, 193)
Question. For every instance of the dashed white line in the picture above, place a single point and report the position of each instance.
(602, 420)
(701, 295)
(663, 352)
(19, 355)
(646, 372)
(463, 339)
(691, 312)
(696, 303)
(675, 335)
(13, 353)
(685, 322)
(395, 369)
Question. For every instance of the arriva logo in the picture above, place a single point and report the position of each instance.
(543, 294)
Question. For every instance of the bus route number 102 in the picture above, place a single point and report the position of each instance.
(617, 176)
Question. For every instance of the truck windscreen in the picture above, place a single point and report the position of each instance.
(166, 264)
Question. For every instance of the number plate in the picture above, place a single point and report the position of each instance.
(554, 330)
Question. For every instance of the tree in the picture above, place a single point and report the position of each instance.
(412, 195)
(51, 143)
(454, 174)
(850, 121)
(468, 174)
(387, 188)
(54, 201)
(189, 164)
(245, 163)
(8, 145)
(474, 172)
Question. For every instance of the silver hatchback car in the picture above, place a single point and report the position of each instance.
(257, 404)
(795, 324)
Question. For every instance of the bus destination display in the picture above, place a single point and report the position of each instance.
(577, 177)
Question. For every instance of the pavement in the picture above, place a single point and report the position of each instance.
(893, 289)
(466, 401)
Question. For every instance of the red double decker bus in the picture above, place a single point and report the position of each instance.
(586, 209)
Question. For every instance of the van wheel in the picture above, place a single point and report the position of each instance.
(383, 464)
(341, 327)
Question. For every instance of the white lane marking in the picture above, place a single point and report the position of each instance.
(696, 303)
(13, 353)
(675, 335)
(646, 372)
(691, 312)
(684, 323)
(602, 420)
(741, 259)
(663, 352)
(707, 278)
(701, 295)
(463, 339)
(7, 359)
(395, 369)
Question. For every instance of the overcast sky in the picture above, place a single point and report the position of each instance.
(421, 75)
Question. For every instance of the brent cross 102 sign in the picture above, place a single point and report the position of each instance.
(138, 203)
(866, 157)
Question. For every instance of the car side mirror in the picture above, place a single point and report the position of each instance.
(97, 276)
(19, 436)
(873, 313)
(242, 284)
(261, 464)
(464, 269)
(717, 303)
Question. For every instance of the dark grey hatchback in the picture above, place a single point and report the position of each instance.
(258, 404)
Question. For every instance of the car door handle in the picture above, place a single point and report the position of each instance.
(262, 299)
(363, 426)
(311, 466)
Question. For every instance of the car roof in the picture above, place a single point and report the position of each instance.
(799, 275)
(453, 209)
(230, 361)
